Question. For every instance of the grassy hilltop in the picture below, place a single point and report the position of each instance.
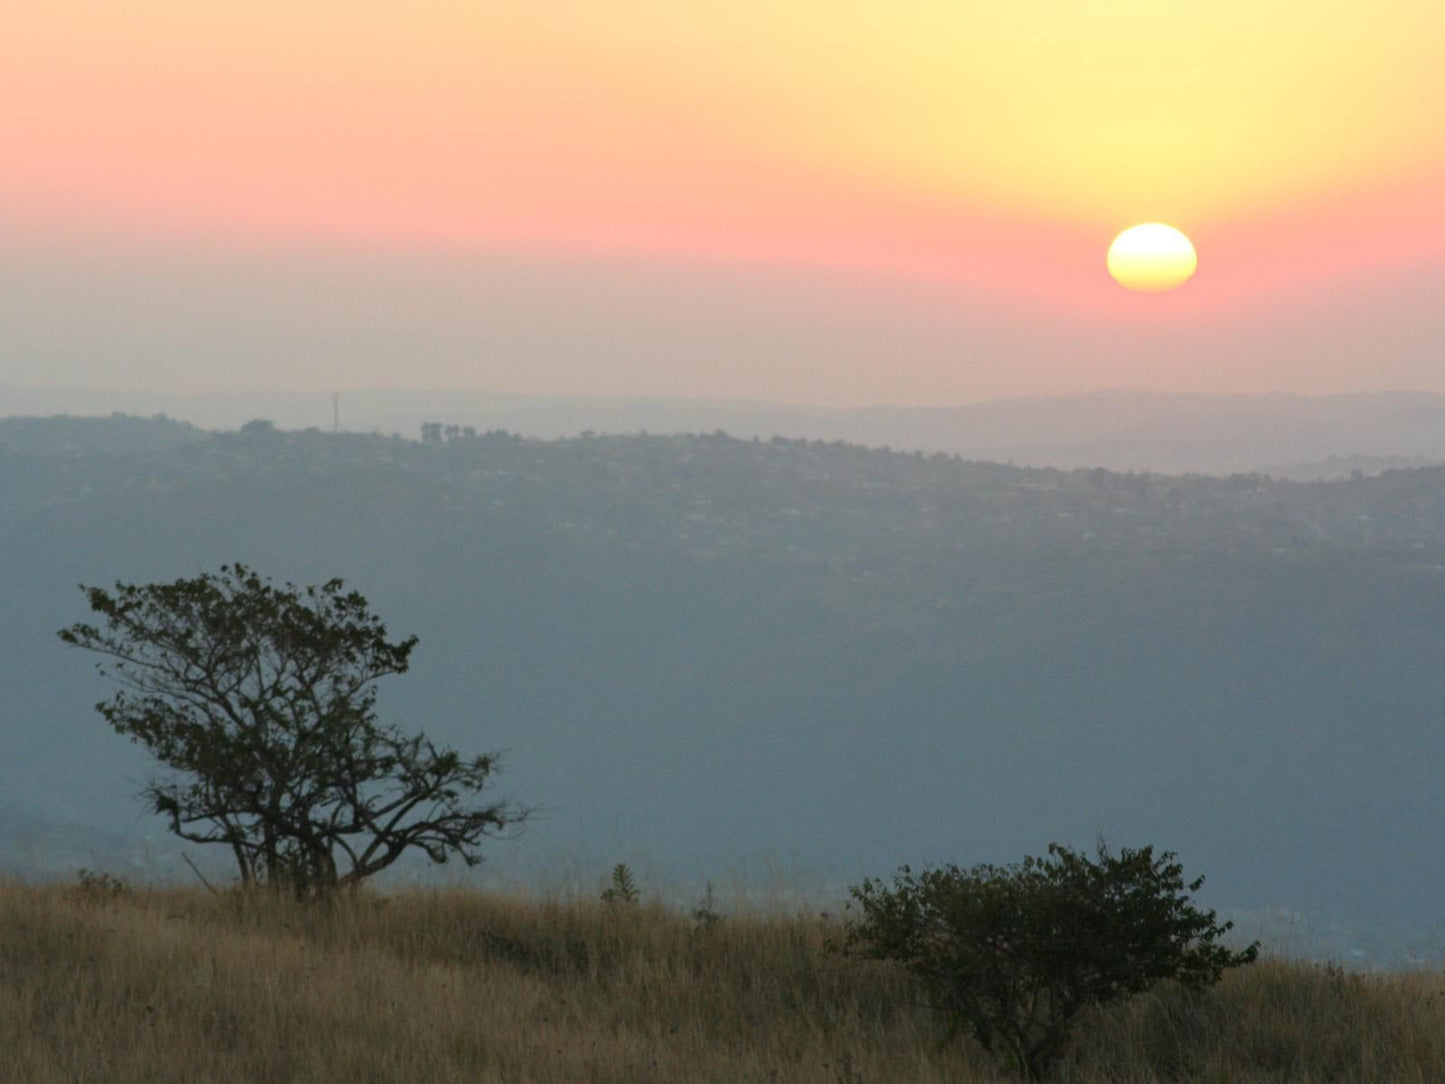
(181, 985)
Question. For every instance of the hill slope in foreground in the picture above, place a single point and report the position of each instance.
(703, 654)
(180, 985)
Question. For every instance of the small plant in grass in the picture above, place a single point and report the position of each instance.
(1015, 953)
(97, 886)
(705, 913)
(622, 889)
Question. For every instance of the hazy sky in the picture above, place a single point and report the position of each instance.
(817, 202)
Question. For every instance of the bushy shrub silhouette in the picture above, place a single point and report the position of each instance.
(1015, 953)
(100, 887)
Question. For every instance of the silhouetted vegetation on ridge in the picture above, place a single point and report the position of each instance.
(712, 495)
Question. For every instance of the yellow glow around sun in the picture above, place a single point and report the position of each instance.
(1152, 257)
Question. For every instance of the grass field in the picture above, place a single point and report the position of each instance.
(182, 985)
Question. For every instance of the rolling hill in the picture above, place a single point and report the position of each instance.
(706, 655)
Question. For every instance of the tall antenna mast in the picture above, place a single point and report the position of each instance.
(336, 412)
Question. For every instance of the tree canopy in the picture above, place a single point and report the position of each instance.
(261, 700)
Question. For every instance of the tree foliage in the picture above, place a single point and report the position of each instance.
(1015, 953)
(261, 700)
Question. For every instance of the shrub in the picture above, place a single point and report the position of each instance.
(623, 888)
(705, 912)
(99, 886)
(1015, 953)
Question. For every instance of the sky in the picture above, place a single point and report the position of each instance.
(832, 203)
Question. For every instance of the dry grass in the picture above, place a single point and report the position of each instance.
(179, 985)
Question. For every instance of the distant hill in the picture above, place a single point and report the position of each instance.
(118, 434)
(1304, 437)
(706, 655)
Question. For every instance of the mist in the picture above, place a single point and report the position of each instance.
(205, 318)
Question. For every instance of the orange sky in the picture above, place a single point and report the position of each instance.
(996, 149)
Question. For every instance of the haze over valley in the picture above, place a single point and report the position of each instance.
(708, 655)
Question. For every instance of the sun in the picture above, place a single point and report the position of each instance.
(1152, 257)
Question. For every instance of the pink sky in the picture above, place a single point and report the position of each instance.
(825, 203)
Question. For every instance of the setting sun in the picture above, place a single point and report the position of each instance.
(1152, 258)
(606, 198)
